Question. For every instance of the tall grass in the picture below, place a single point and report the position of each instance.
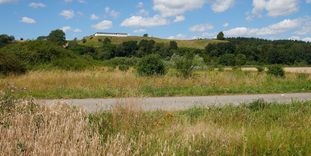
(256, 129)
(103, 83)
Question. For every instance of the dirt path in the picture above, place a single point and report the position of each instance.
(177, 103)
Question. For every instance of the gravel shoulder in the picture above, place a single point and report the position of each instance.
(175, 103)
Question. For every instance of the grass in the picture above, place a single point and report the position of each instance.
(104, 83)
(201, 44)
(256, 129)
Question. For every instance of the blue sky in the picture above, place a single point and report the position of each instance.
(176, 19)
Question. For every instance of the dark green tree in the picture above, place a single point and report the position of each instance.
(145, 35)
(151, 65)
(221, 36)
(6, 39)
(57, 36)
(173, 45)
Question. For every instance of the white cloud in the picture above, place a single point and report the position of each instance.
(201, 27)
(70, 1)
(176, 7)
(111, 12)
(28, 20)
(140, 5)
(69, 29)
(305, 26)
(179, 18)
(66, 28)
(178, 37)
(68, 14)
(139, 30)
(77, 30)
(37, 5)
(274, 29)
(222, 5)
(103, 25)
(307, 39)
(142, 11)
(226, 24)
(94, 17)
(7, 1)
(139, 21)
(275, 7)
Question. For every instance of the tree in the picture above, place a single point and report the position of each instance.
(240, 60)
(6, 39)
(151, 65)
(184, 64)
(227, 60)
(145, 35)
(221, 36)
(41, 38)
(173, 45)
(57, 36)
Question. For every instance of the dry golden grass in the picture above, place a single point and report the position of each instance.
(30, 129)
(94, 83)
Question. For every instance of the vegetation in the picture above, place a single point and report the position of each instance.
(256, 129)
(276, 70)
(105, 82)
(151, 65)
(57, 36)
(221, 36)
(184, 65)
(9, 64)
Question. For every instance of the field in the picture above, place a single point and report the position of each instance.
(256, 129)
(105, 82)
(201, 44)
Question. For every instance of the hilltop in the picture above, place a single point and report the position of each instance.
(200, 44)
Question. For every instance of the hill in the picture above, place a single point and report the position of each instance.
(200, 44)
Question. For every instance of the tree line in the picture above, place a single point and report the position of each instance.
(54, 51)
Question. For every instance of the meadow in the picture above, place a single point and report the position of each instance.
(108, 82)
(200, 44)
(256, 129)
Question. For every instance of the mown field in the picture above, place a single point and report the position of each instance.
(256, 129)
(106, 83)
(200, 44)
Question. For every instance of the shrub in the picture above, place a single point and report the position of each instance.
(227, 60)
(257, 105)
(184, 65)
(10, 64)
(71, 63)
(276, 70)
(151, 65)
(124, 67)
(260, 69)
(118, 61)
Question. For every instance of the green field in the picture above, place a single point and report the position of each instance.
(200, 44)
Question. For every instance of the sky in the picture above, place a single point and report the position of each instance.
(174, 19)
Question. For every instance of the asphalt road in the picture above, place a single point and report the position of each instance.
(176, 103)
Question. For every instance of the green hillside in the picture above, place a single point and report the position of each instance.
(201, 44)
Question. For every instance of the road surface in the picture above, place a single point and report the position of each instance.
(176, 103)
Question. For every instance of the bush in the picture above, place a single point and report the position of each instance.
(71, 64)
(124, 67)
(276, 70)
(10, 64)
(260, 69)
(151, 65)
(184, 65)
(120, 61)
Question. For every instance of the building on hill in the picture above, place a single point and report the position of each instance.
(111, 34)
